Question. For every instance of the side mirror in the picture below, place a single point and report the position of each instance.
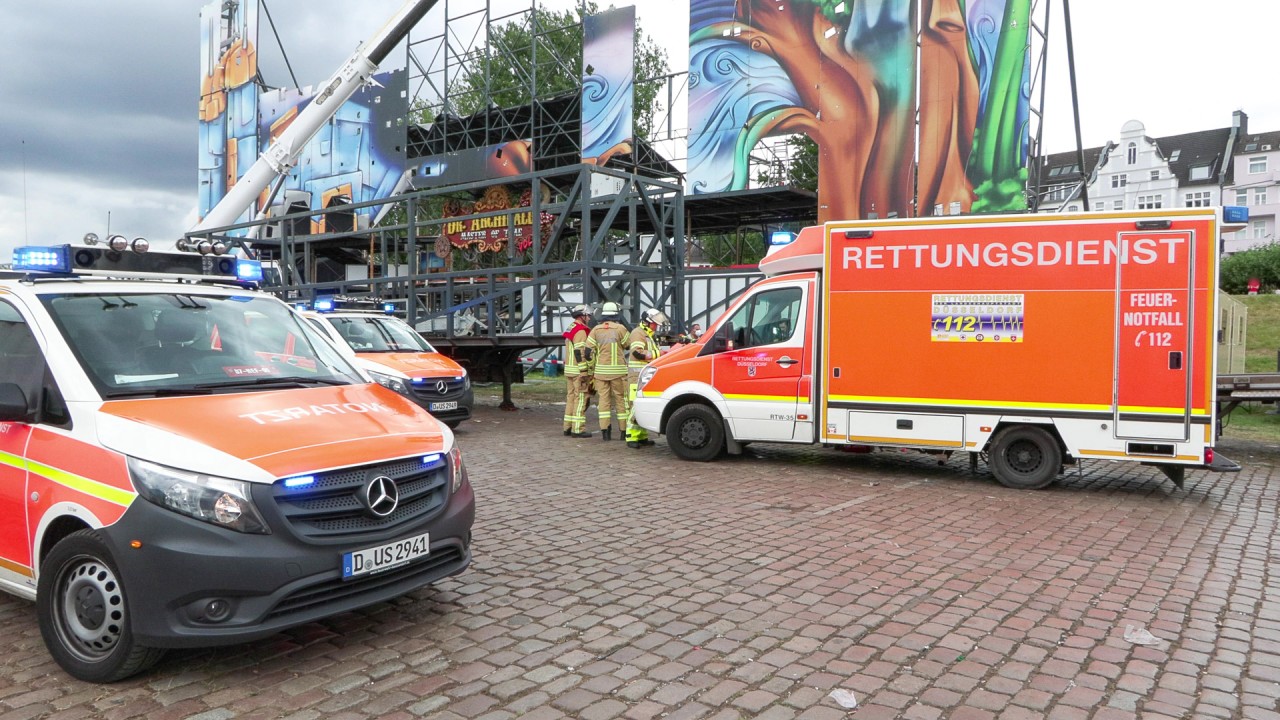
(719, 344)
(13, 404)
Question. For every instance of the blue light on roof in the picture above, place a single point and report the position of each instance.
(324, 304)
(300, 481)
(249, 270)
(53, 258)
(781, 237)
(389, 308)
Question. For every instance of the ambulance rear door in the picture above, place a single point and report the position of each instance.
(1155, 317)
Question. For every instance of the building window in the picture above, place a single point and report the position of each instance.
(1133, 153)
(1242, 197)
(1119, 181)
(1099, 206)
(1197, 199)
(1150, 202)
(1258, 165)
(1260, 196)
(1258, 229)
(1200, 172)
(1117, 205)
(1155, 174)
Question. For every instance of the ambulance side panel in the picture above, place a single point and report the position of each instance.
(936, 331)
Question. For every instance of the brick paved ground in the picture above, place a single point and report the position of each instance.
(613, 583)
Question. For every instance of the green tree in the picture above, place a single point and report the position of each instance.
(543, 50)
(801, 170)
(1262, 263)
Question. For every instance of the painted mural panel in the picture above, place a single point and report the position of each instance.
(357, 156)
(974, 106)
(845, 73)
(228, 107)
(608, 84)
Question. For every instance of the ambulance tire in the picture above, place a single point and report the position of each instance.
(696, 432)
(83, 613)
(1025, 457)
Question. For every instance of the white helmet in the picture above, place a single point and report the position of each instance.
(610, 308)
(657, 317)
(580, 310)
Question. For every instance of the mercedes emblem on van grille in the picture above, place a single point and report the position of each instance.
(381, 496)
(442, 387)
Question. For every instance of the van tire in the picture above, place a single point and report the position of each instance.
(84, 614)
(1025, 457)
(696, 432)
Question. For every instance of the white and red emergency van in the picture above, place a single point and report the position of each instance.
(396, 356)
(185, 462)
(1030, 340)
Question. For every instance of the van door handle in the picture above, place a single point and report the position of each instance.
(1175, 360)
(785, 361)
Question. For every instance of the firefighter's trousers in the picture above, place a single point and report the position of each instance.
(613, 400)
(577, 395)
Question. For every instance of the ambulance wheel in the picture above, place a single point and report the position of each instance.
(1025, 457)
(83, 615)
(695, 432)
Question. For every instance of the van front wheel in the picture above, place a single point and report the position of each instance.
(1025, 457)
(696, 432)
(84, 618)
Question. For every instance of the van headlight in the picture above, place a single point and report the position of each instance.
(645, 376)
(215, 500)
(466, 380)
(456, 468)
(390, 382)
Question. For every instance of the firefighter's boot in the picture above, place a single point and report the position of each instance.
(607, 433)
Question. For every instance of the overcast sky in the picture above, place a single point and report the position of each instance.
(98, 99)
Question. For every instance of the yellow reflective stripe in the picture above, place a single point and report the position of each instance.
(770, 398)
(93, 488)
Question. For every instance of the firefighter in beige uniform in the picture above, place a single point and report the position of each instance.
(642, 347)
(606, 345)
(577, 374)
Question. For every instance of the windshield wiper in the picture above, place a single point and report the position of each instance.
(288, 381)
(171, 391)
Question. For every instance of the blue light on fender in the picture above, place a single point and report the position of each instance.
(781, 237)
(1235, 214)
(249, 270)
(300, 481)
(51, 258)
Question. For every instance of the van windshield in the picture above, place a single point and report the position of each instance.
(169, 344)
(379, 334)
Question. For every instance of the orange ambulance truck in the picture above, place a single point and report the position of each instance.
(185, 462)
(1030, 340)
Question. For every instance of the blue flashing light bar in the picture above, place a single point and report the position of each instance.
(249, 270)
(389, 308)
(1235, 214)
(52, 258)
(300, 481)
(781, 237)
(324, 305)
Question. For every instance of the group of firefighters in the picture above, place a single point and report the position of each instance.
(607, 360)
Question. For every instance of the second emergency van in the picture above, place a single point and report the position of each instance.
(1031, 341)
(397, 357)
(185, 462)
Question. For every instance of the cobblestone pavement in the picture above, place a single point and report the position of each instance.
(615, 583)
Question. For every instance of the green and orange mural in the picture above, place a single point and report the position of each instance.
(845, 73)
